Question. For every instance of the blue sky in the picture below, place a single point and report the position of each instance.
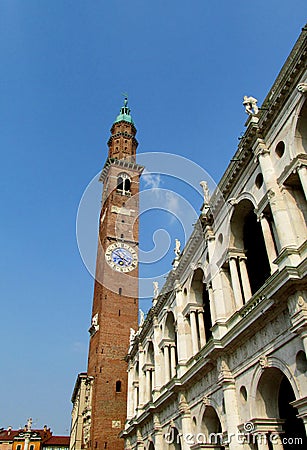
(64, 66)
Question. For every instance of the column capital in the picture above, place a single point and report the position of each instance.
(165, 343)
(242, 258)
(262, 216)
(234, 253)
(260, 148)
(301, 406)
(225, 376)
(208, 233)
(148, 367)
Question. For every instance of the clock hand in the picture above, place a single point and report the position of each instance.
(120, 255)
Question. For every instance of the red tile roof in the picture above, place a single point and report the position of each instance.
(6, 435)
(48, 439)
(60, 441)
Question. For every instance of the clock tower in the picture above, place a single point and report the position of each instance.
(115, 302)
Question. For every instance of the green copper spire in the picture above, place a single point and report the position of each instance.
(124, 113)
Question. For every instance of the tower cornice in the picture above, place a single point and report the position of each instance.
(122, 163)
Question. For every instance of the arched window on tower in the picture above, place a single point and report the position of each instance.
(118, 386)
(124, 184)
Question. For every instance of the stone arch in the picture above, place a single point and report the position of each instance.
(247, 241)
(150, 353)
(173, 438)
(149, 369)
(246, 196)
(200, 297)
(169, 347)
(240, 211)
(210, 428)
(214, 404)
(273, 399)
(271, 362)
(151, 446)
(196, 286)
(301, 129)
(169, 326)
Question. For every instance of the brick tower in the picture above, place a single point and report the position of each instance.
(115, 302)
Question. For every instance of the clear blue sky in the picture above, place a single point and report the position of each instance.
(64, 65)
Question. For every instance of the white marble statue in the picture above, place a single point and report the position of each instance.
(132, 336)
(156, 288)
(177, 248)
(250, 104)
(29, 424)
(142, 318)
(206, 192)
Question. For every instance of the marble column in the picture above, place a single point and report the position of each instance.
(158, 435)
(280, 214)
(158, 380)
(269, 242)
(136, 397)
(142, 383)
(235, 282)
(183, 339)
(277, 442)
(186, 427)
(166, 364)
(212, 304)
(148, 385)
(232, 414)
(201, 327)
(302, 173)
(173, 360)
(262, 443)
(130, 395)
(194, 332)
(244, 278)
(217, 297)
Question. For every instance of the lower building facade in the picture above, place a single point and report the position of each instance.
(220, 360)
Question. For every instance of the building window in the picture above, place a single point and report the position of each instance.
(18, 447)
(280, 149)
(118, 386)
(123, 184)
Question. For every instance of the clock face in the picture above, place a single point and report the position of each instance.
(121, 257)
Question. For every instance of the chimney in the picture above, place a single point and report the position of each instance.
(9, 429)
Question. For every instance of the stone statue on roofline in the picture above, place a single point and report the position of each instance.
(156, 288)
(177, 248)
(132, 336)
(250, 104)
(206, 192)
(142, 318)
